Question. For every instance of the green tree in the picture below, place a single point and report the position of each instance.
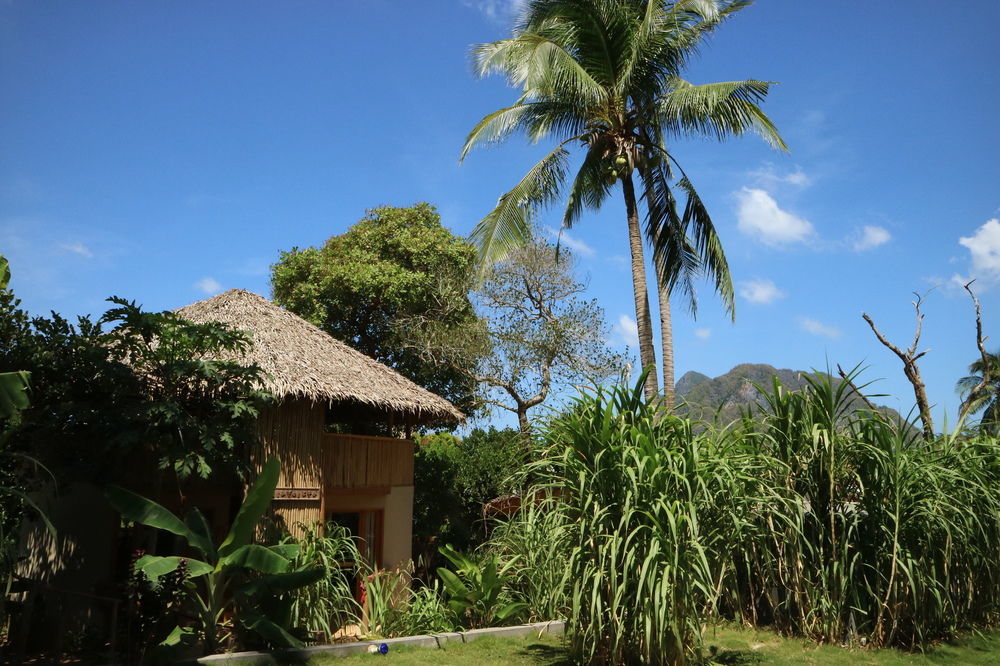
(18, 472)
(396, 277)
(102, 391)
(606, 75)
(542, 335)
(987, 398)
(453, 478)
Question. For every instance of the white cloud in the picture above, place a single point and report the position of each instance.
(871, 237)
(77, 248)
(208, 285)
(574, 244)
(760, 291)
(627, 331)
(818, 328)
(768, 175)
(759, 215)
(984, 246)
(703, 333)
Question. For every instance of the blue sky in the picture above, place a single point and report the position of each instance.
(163, 151)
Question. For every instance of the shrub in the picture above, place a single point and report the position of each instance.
(397, 605)
(453, 478)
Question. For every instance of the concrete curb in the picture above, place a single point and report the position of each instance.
(556, 628)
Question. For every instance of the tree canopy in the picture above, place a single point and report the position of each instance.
(131, 383)
(394, 278)
(542, 335)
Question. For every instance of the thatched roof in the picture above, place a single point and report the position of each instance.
(302, 361)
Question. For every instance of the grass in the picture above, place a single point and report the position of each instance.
(733, 646)
(532, 650)
(748, 646)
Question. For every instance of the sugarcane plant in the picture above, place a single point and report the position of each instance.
(237, 585)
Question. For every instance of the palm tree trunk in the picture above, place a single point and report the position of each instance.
(666, 343)
(647, 354)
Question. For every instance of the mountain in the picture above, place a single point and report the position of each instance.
(701, 397)
(690, 379)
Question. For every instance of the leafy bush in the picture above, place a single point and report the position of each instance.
(234, 579)
(397, 605)
(536, 548)
(152, 609)
(453, 479)
(475, 590)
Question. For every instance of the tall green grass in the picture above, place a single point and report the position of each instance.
(807, 515)
(327, 605)
(871, 533)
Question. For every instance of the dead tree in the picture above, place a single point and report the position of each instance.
(909, 358)
(986, 377)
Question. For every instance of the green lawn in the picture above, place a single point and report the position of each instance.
(743, 646)
(489, 651)
(733, 646)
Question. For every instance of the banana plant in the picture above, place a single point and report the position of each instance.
(13, 385)
(13, 399)
(474, 590)
(236, 579)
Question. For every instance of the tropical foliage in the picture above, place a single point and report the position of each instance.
(236, 585)
(394, 280)
(475, 590)
(453, 479)
(606, 76)
(987, 398)
(327, 605)
(13, 385)
(131, 381)
(18, 471)
(811, 515)
(396, 604)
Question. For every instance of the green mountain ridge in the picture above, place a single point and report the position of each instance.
(724, 398)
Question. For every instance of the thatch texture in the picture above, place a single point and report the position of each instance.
(301, 361)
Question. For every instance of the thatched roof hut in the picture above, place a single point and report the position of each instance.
(301, 361)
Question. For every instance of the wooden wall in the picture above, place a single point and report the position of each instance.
(320, 464)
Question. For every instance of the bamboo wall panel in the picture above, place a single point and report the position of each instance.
(357, 461)
(293, 432)
(294, 515)
(312, 458)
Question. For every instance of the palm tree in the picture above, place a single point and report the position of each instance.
(604, 75)
(987, 398)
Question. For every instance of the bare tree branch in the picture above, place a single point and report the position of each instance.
(986, 377)
(910, 367)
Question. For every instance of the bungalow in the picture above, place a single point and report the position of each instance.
(332, 424)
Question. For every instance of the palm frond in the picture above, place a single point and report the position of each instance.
(509, 224)
(719, 109)
(539, 65)
(674, 255)
(495, 127)
(591, 185)
(708, 245)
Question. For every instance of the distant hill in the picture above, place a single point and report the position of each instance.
(701, 397)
